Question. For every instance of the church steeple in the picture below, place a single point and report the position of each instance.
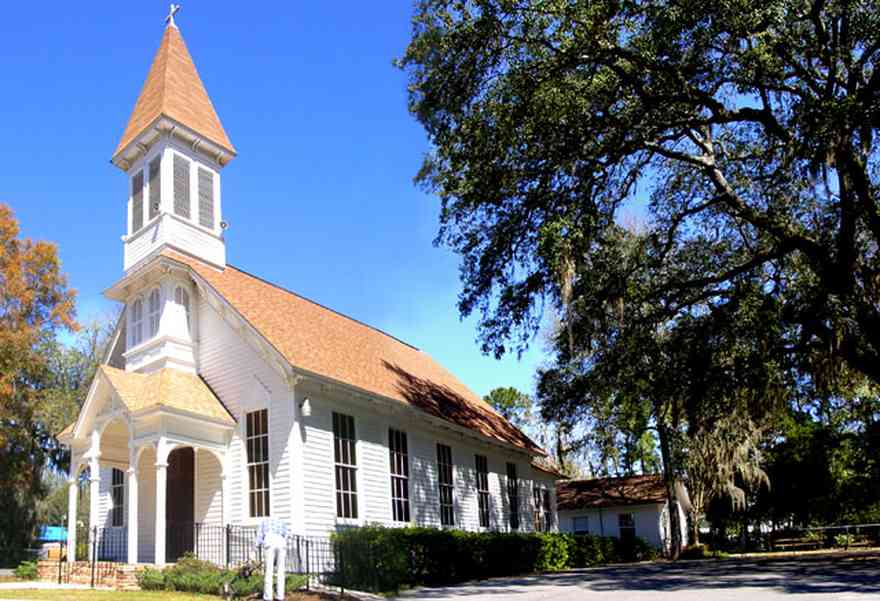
(173, 150)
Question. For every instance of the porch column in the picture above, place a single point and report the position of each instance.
(94, 493)
(224, 503)
(132, 513)
(72, 497)
(161, 481)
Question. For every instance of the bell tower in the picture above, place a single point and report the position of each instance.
(173, 150)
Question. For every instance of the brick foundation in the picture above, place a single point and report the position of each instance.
(119, 576)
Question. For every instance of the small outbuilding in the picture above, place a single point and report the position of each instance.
(633, 506)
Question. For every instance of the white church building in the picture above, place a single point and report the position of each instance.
(225, 399)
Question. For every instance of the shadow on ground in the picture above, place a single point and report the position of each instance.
(853, 575)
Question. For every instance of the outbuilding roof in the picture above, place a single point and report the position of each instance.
(610, 492)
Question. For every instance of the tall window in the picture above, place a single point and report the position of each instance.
(346, 465)
(543, 511)
(257, 439)
(155, 185)
(206, 198)
(117, 497)
(154, 311)
(445, 484)
(181, 186)
(137, 201)
(181, 297)
(137, 322)
(482, 489)
(513, 495)
(627, 524)
(399, 456)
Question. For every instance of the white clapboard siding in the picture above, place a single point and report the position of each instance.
(245, 382)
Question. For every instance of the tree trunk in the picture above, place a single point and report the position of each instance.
(669, 479)
(694, 534)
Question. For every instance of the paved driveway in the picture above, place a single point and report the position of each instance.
(851, 578)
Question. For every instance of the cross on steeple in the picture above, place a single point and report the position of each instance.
(172, 10)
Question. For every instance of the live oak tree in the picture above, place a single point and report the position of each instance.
(748, 128)
(35, 305)
(743, 130)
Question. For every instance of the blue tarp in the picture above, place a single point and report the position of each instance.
(52, 534)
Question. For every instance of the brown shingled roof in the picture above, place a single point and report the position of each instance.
(173, 88)
(319, 340)
(610, 492)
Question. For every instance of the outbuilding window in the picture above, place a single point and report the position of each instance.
(580, 525)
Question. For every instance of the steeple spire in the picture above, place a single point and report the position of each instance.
(173, 100)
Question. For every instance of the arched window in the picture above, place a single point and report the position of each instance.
(154, 312)
(181, 297)
(137, 322)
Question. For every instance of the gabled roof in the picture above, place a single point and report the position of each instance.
(610, 492)
(319, 340)
(170, 388)
(174, 89)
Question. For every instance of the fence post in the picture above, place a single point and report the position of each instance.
(94, 553)
(60, 559)
(308, 570)
(228, 537)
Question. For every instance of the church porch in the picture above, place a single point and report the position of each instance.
(157, 474)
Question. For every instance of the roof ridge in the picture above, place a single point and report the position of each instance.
(325, 307)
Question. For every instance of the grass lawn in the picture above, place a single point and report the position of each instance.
(97, 595)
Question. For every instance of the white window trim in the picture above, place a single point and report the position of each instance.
(246, 517)
(151, 334)
(193, 218)
(359, 456)
(456, 518)
(409, 477)
(133, 320)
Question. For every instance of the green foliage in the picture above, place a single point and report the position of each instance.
(26, 570)
(382, 559)
(196, 576)
(514, 405)
(151, 579)
(843, 540)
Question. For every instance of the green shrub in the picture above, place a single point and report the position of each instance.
(26, 570)
(382, 559)
(151, 579)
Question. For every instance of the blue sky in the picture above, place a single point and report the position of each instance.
(320, 198)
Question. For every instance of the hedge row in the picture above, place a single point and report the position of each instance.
(380, 559)
(192, 575)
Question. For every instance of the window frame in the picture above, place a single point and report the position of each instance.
(574, 524)
(154, 198)
(399, 468)
(257, 468)
(117, 498)
(630, 528)
(345, 473)
(483, 494)
(445, 489)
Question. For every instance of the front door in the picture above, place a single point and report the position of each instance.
(179, 506)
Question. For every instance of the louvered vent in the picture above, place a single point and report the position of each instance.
(206, 198)
(155, 185)
(137, 201)
(181, 186)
